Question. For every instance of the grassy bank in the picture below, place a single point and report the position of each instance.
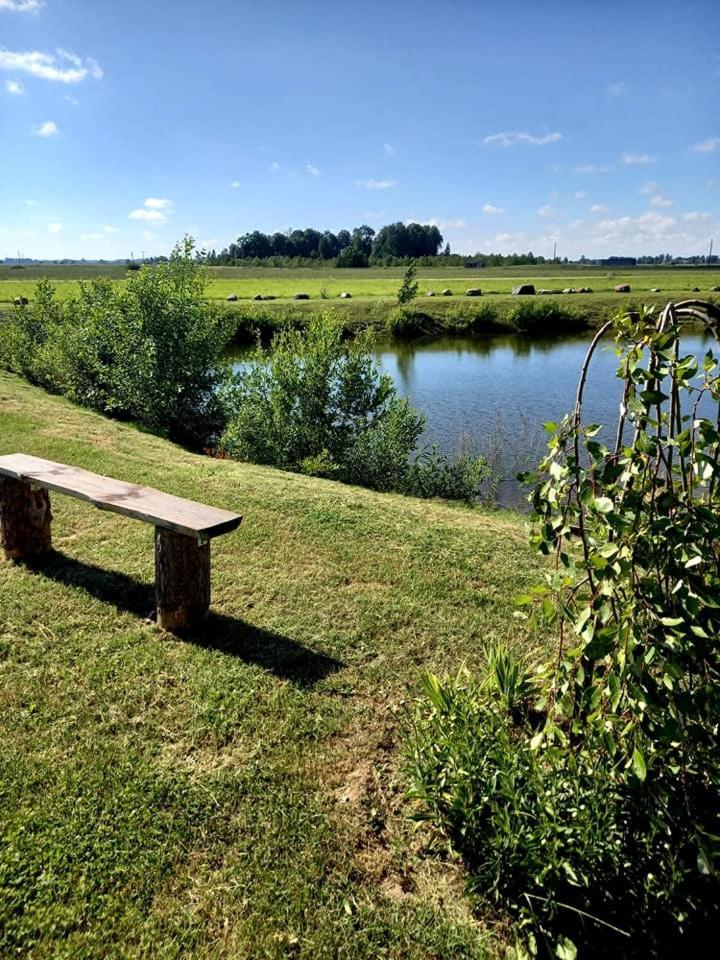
(238, 792)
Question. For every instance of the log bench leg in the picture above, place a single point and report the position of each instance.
(182, 579)
(25, 518)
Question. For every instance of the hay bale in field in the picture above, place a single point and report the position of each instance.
(622, 288)
(696, 289)
(429, 293)
(655, 290)
(524, 290)
(585, 290)
(231, 297)
(345, 295)
(569, 290)
(21, 301)
(543, 293)
(715, 289)
(258, 296)
(447, 292)
(473, 292)
(301, 296)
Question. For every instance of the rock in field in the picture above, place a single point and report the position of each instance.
(622, 288)
(524, 290)
(473, 292)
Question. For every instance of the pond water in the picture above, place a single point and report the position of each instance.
(491, 395)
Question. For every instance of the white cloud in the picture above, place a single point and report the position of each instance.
(149, 235)
(274, 167)
(21, 6)
(108, 229)
(54, 227)
(73, 100)
(158, 203)
(92, 236)
(235, 185)
(580, 194)
(650, 227)
(660, 201)
(617, 88)
(376, 184)
(445, 224)
(312, 169)
(598, 208)
(489, 208)
(706, 146)
(545, 211)
(648, 187)
(47, 129)
(510, 139)
(637, 159)
(152, 210)
(61, 67)
(389, 151)
(594, 168)
(14, 87)
(694, 216)
(155, 216)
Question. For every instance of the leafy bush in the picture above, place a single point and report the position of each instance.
(595, 813)
(150, 353)
(545, 316)
(319, 404)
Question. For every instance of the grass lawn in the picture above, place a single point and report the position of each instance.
(237, 793)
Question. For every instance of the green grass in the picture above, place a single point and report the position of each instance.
(236, 793)
(374, 291)
(379, 283)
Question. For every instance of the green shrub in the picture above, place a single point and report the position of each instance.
(595, 813)
(545, 316)
(150, 353)
(317, 403)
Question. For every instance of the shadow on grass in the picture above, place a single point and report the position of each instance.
(280, 655)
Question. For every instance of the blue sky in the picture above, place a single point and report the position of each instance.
(124, 125)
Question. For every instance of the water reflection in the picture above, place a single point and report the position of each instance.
(496, 392)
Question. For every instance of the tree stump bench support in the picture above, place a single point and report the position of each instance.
(183, 528)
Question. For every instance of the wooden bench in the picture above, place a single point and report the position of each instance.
(183, 528)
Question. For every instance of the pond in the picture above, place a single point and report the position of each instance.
(491, 395)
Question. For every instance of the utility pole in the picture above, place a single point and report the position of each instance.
(555, 251)
(710, 251)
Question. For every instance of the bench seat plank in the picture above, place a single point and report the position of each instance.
(142, 503)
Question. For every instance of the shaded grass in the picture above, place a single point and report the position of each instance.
(234, 792)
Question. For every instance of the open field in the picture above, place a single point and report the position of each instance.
(379, 283)
(237, 793)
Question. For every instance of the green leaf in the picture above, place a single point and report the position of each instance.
(638, 765)
(603, 504)
(565, 949)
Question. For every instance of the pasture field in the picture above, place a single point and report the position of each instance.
(381, 283)
(238, 792)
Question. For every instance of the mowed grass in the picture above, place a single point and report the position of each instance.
(238, 792)
(381, 284)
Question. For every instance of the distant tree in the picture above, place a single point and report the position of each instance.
(328, 247)
(344, 239)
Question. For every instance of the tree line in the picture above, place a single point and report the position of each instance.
(392, 245)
